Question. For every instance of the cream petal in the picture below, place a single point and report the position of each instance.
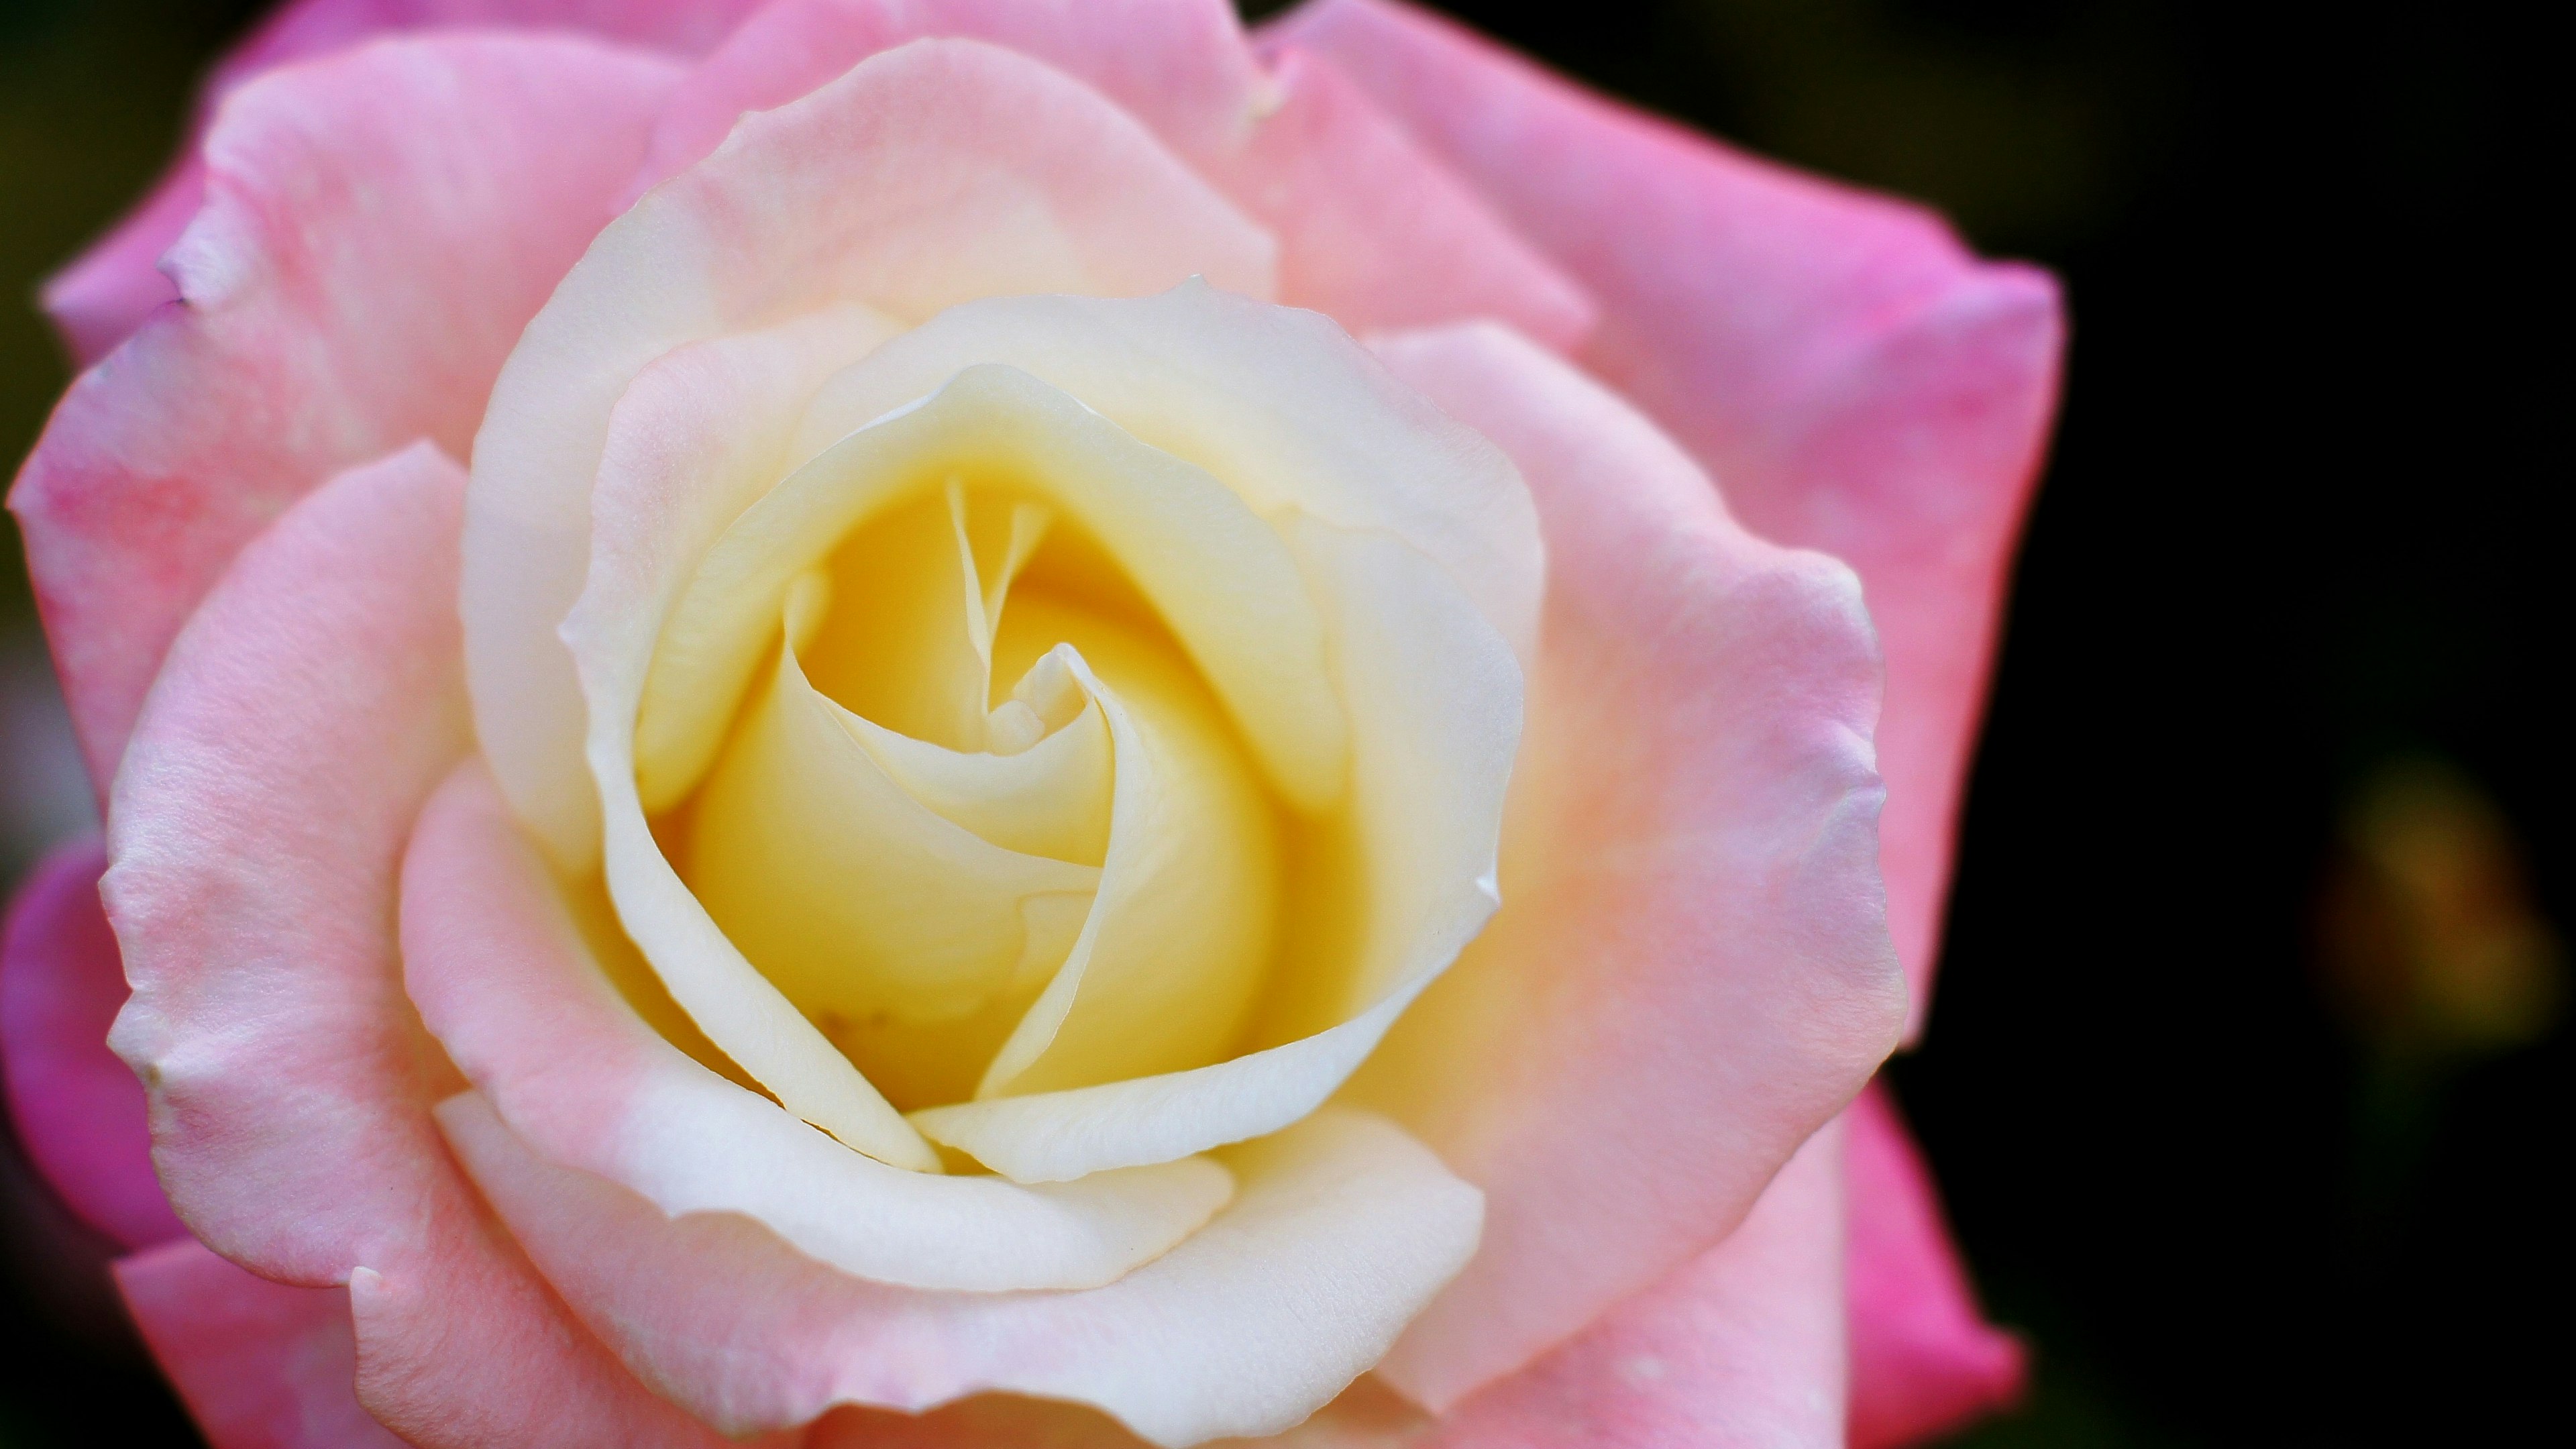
(1180, 934)
(1435, 701)
(503, 981)
(1280, 404)
(931, 173)
(852, 896)
(1213, 570)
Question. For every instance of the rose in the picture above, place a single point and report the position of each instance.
(1691, 972)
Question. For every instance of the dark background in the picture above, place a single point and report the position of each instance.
(2249, 1059)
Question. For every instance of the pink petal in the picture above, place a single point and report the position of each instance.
(1856, 380)
(1924, 1360)
(1178, 66)
(101, 298)
(1690, 972)
(380, 227)
(78, 1110)
(260, 1365)
(305, 713)
(256, 829)
(1372, 229)
(1740, 1346)
(1341, 1216)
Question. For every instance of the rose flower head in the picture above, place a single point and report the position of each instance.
(975, 722)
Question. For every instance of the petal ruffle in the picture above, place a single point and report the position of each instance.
(256, 830)
(379, 227)
(1690, 973)
(78, 1110)
(929, 174)
(1924, 1360)
(1342, 1216)
(1856, 380)
(305, 713)
(101, 298)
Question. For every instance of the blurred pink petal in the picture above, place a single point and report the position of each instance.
(1855, 379)
(381, 226)
(1924, 1360)
(1690, 972)
(260, 1365)
(78, 1110)
(101, 298)
(1371, 228)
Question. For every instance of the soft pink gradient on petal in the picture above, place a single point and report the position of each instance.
(1340, 1215)
(256, 830)
(254, 833)
(1372, 230)
(78, 1110)
(260, 1365)
(1179, 66)
(461, 1345)
(1690, 972)
(1857, 381)
(101, 298)
(1740, 1346)
(1924, 1360)
(381, 225)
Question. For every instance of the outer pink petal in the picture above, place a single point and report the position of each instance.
(101, 298)
(1857, 381)
(380, 227)
(256, 830)
(1371, 228)
(1741, 1346)
(1924, 1360)
(1690, 972)
(78, 1110)
(260, 1365)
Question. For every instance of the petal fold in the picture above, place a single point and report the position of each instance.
(101, 298)
(1692, 944)
(505, 983)
(378, 228)
(1341, 1228)
(254, 833)
(1857, 381)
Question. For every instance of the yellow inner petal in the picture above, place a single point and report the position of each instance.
(1080, 884)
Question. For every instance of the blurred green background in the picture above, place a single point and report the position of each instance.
(2250, 1072)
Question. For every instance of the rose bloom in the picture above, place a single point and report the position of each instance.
(1009, 722)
